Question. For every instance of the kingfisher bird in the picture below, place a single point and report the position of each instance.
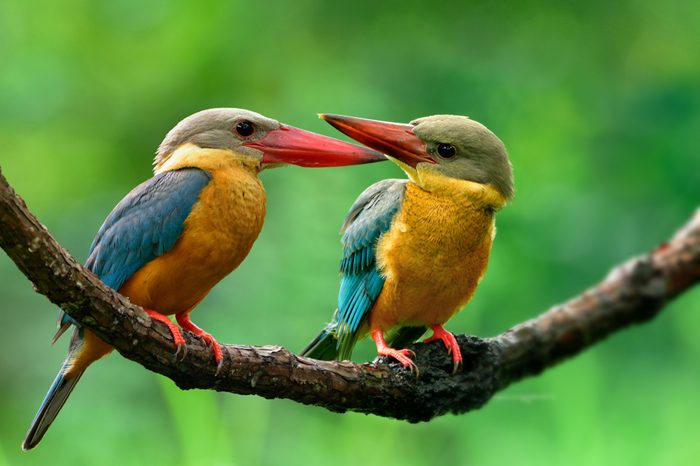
(415, 250)
(173, 237)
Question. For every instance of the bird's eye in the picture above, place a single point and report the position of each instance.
(446, 151)
(245, 128)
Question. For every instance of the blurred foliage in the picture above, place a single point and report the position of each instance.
(598, 103)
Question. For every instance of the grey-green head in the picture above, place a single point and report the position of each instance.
(249, 134)
(452, 145)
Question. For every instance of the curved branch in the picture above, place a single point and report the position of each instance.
(633, 292)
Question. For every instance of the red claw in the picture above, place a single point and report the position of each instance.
(439, 333)
(175, 332)
(184, 320)
(401, 355)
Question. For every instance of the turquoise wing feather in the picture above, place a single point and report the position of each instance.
(369, 218)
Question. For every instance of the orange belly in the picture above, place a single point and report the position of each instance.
(432, 258)
(219, 233)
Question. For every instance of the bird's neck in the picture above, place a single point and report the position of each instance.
(211, 160)
(463, 192)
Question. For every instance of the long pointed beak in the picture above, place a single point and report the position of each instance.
(394, 139)
(306, 149)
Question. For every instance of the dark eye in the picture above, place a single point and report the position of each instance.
(245, 128)
(446, 151)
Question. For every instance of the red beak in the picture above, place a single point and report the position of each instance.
(395, 139)
(306, 149)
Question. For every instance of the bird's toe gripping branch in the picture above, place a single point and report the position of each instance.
(401, 355)
(184, 320)
(175, 332)
(450, 342)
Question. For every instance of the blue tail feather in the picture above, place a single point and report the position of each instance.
(324, 346)
(57, 395)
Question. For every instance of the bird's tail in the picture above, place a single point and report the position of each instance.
(331, 344)
(324, 346)
(61, 388)
(84, 348)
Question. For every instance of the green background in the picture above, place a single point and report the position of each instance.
(598, 103)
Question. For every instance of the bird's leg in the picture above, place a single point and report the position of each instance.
(183, 319)
(400, 355)
(174, 331)
(439, 333)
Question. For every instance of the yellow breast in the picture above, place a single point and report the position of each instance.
(218, 235)
(434, 254)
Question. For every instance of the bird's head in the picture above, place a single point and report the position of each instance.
(449, 145)
(258, 139)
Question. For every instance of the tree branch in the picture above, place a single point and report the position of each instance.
(633, 292)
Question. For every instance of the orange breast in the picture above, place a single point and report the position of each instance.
(219, 233)
(432, 258)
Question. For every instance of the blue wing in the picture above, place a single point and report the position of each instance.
(144, 225)
(369, 218)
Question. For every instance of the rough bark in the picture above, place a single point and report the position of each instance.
(633, 292)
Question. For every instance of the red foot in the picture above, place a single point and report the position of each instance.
(401, 355)
(439, 333)
(177, 336)
(184, 320)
